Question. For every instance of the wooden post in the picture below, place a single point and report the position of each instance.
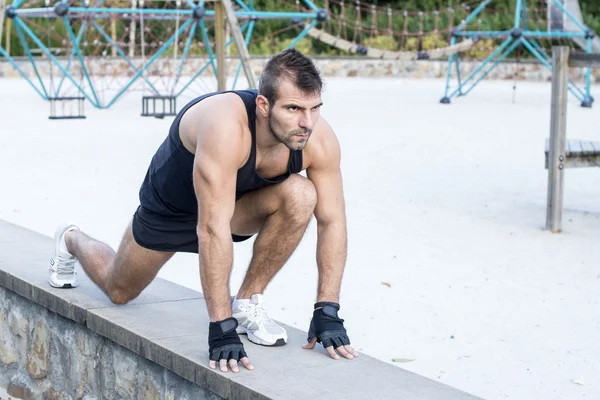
(239, 43)
(220, 45)
(558, 135)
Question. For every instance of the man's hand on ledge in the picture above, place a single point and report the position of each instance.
(225, 346)
(327, 328)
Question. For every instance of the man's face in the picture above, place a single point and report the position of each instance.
(293, 116)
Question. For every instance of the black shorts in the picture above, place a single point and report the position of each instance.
(164, 233)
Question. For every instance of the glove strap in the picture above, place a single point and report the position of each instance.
(329, 308)
(221, 327)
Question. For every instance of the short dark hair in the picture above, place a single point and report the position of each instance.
(290, 64)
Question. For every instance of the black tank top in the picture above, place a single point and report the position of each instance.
(168, 186)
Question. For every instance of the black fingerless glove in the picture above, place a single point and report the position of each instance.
(224, 342)
(327, 327)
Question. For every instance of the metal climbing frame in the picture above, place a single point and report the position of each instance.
(519, 35)
(192, 15)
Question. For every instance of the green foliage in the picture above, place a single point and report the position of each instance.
(382, 43)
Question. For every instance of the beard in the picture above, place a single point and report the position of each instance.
(290, 140)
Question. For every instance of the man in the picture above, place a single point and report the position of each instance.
(228, 170)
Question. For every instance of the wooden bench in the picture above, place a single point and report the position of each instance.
(578, 154)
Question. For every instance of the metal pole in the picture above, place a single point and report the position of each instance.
(220, 45)
(558, 135)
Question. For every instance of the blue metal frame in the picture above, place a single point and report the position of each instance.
(248, 15)
(519, 35)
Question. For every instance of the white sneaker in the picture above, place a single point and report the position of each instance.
(62, 263)
(253, 320)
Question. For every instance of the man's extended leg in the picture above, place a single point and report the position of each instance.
(121, 275)
(280, 213)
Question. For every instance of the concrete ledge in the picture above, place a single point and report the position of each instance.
(168, 325)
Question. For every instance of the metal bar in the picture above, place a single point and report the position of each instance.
(200, 71)
(458, 72)
(208, 48)
(475, 13)
(588, 73)
(571, 17)
(248, 37)
(79, 36)
(20, 71)
(79, 56)
(160, 14)
(48, 11)
(164, 47)
(28, 51)
(558, 134)
(188, 43)
(548, 60)
(243, 5)
(527, 34)
(220, 45)
(518, 14)
(210, 62)
(121, 53)
(450, 62)
(554, 35)
(533, 51)
(499, 60)
(49, 54)
(302, 34)
(499, 50)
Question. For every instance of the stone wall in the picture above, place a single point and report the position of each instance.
(338, 67)
(46, 356)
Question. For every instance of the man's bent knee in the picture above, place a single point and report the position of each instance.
(299, 198)
(121, 297)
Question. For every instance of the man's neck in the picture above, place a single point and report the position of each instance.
(265, 141)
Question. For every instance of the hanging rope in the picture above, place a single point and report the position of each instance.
(516, 76)
(350, 47)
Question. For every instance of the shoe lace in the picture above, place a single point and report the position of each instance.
(64, 264)
(258, 314)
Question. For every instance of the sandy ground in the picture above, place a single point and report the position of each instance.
(445, 203)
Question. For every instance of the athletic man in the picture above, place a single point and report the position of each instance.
(227, 170)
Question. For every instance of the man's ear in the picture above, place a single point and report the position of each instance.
(263, 105)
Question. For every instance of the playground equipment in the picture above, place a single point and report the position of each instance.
(560, 152)
(98, 50)
(183, 21)
(157, 40)
(564, 21)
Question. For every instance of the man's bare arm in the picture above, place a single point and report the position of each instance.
(215, 167)
(324, 172)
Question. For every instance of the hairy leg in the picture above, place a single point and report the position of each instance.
(121, 275)
(280, 213)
